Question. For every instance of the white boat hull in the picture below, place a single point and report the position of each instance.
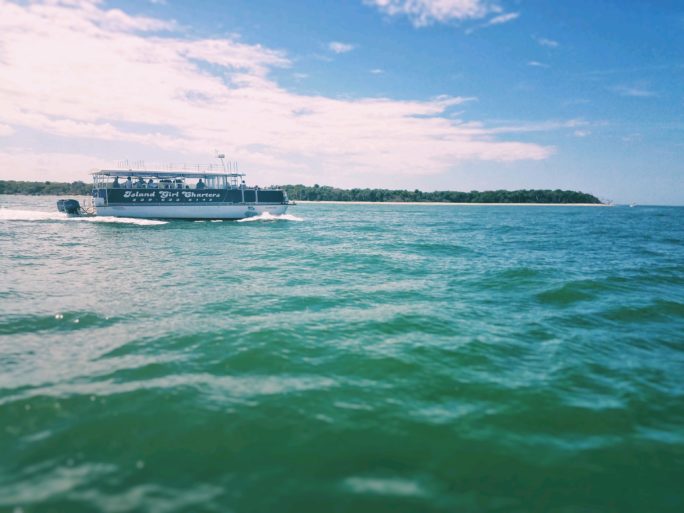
(189, 211)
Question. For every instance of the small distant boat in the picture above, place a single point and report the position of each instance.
(185, 193)
(632, 205)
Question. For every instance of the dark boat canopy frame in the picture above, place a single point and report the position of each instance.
(164, 174)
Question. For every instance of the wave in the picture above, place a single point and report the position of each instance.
(7, 214)
(67, 321)
(656, 311)
(270, 217)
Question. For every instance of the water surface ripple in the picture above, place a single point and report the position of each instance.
(368, 358)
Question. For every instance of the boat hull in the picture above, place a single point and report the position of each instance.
(204, 211)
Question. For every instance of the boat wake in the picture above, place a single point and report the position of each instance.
(7, 214)
(270, 217)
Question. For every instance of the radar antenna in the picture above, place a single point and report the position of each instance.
(222, 158)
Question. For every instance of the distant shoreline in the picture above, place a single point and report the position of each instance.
(356, 196)
(446, 204)
(425, 203)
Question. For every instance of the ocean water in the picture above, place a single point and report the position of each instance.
(346, 358)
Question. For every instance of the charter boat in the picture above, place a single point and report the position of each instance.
(197, 192)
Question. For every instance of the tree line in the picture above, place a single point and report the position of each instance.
(45, 188)
(326, 193)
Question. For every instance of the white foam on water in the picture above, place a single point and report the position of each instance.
(270, 217)
(383, 486)
(121, 220)
(7, 214)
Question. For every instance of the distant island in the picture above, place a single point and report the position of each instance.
(45, 188)
(326, 193)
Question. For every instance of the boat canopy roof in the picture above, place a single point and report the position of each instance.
(164, 174)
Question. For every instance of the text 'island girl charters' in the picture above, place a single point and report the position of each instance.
(177, 192)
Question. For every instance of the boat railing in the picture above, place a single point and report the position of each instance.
(163, 187)
(142, 166)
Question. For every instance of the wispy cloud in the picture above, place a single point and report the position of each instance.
(632, 70)
(633, 91)
(377, 71)
(503, 18)
(575, 101)
(633, 137)
(538, 126)
(426, 12)
(582, 133)
(496, 20)
(133, 91)
(548, 43)
(337, 47)
(537, 64)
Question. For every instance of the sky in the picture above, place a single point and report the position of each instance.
(416, 94)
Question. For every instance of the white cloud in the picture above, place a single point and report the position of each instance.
(426, 12)
(27, 164)
(377, 71)
(537, 64)
(548, 43)
(229, 54)
(5, 130)
(70, 74)
(337, 47)
(582, 133)
(118, 20)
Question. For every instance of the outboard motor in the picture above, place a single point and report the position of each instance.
(69, 206)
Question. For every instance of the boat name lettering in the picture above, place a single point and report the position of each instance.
(192, 194)
(138, 194)
(165, 195)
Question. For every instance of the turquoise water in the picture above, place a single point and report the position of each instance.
(363, 359)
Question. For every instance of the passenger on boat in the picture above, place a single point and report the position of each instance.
(140, 184)
(151, 184)
(179, 184)
(128, 184)
(200, 184)
(116, 184)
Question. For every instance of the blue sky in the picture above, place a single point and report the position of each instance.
(443, 94)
